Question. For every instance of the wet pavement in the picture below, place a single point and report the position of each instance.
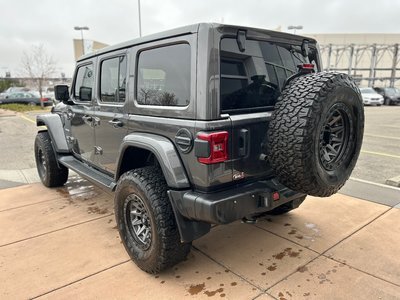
(63, 243)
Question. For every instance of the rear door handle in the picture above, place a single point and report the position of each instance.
(116, 123)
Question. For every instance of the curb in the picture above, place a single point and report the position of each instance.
(395, 181)
(20, 176)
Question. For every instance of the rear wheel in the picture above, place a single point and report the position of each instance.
(32, 104)
(50, 172)
(146, 221)
(316, 132)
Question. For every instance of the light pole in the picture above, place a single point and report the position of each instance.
(295, 27)
(140, 20)
(82, 28)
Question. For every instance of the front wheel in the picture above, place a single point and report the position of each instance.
(50, 172)
(146, 222)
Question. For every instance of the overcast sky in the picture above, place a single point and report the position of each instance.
(24, 23)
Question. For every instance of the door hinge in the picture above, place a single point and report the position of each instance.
(98, 150)
(70, 139)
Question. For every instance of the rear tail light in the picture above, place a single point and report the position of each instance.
(275, 196)
(217, 148)
(44, 99)
(307, 66)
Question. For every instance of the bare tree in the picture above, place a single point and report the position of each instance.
(38, 65)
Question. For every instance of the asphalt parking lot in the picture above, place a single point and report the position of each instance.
(62, 243)
(379, 160)
(380, 153)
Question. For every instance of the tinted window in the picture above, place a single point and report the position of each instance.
(164, 76)
(281, 73)
(272, 74)
(270, 53)
(287, 58)
(83, 81)
(252, 80)
(234, 68)
(113, 80)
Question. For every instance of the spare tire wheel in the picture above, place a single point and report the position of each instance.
(316, 132)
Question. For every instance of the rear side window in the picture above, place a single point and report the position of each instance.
(113, 80)
(252, 80)
(83, 81)
(163, 77)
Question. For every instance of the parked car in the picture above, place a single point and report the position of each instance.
(371, 97)
(25, 98)
(390, 95)
(214, 123)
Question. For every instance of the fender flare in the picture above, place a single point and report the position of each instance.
(165, 152)
(56, 130)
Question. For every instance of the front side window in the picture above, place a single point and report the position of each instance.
(113, 80)
(84, 83)
(163, 76)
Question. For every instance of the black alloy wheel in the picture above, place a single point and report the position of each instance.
(335, 136)
(137, 220)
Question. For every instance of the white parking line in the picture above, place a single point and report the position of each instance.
(382, 136)
(380, 153)
(377, 184)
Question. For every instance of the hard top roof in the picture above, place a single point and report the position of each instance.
(188, 30)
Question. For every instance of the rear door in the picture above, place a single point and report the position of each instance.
(110, 112)
(251, 81)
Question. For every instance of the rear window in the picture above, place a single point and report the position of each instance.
(252, 80)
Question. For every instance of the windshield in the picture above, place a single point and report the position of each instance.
(253, 78)
(390, 91)
(367, 91)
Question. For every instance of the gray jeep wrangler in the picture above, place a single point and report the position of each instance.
(201, 125)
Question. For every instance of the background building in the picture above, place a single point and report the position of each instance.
(372, 59)
(86, 46)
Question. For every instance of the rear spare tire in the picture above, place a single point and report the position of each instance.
(316, 132)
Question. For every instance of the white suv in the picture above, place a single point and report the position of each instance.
(371, 97)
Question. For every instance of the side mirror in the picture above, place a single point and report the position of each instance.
(85, 93)
(61, 93)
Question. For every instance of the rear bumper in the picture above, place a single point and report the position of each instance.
(233, 204)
